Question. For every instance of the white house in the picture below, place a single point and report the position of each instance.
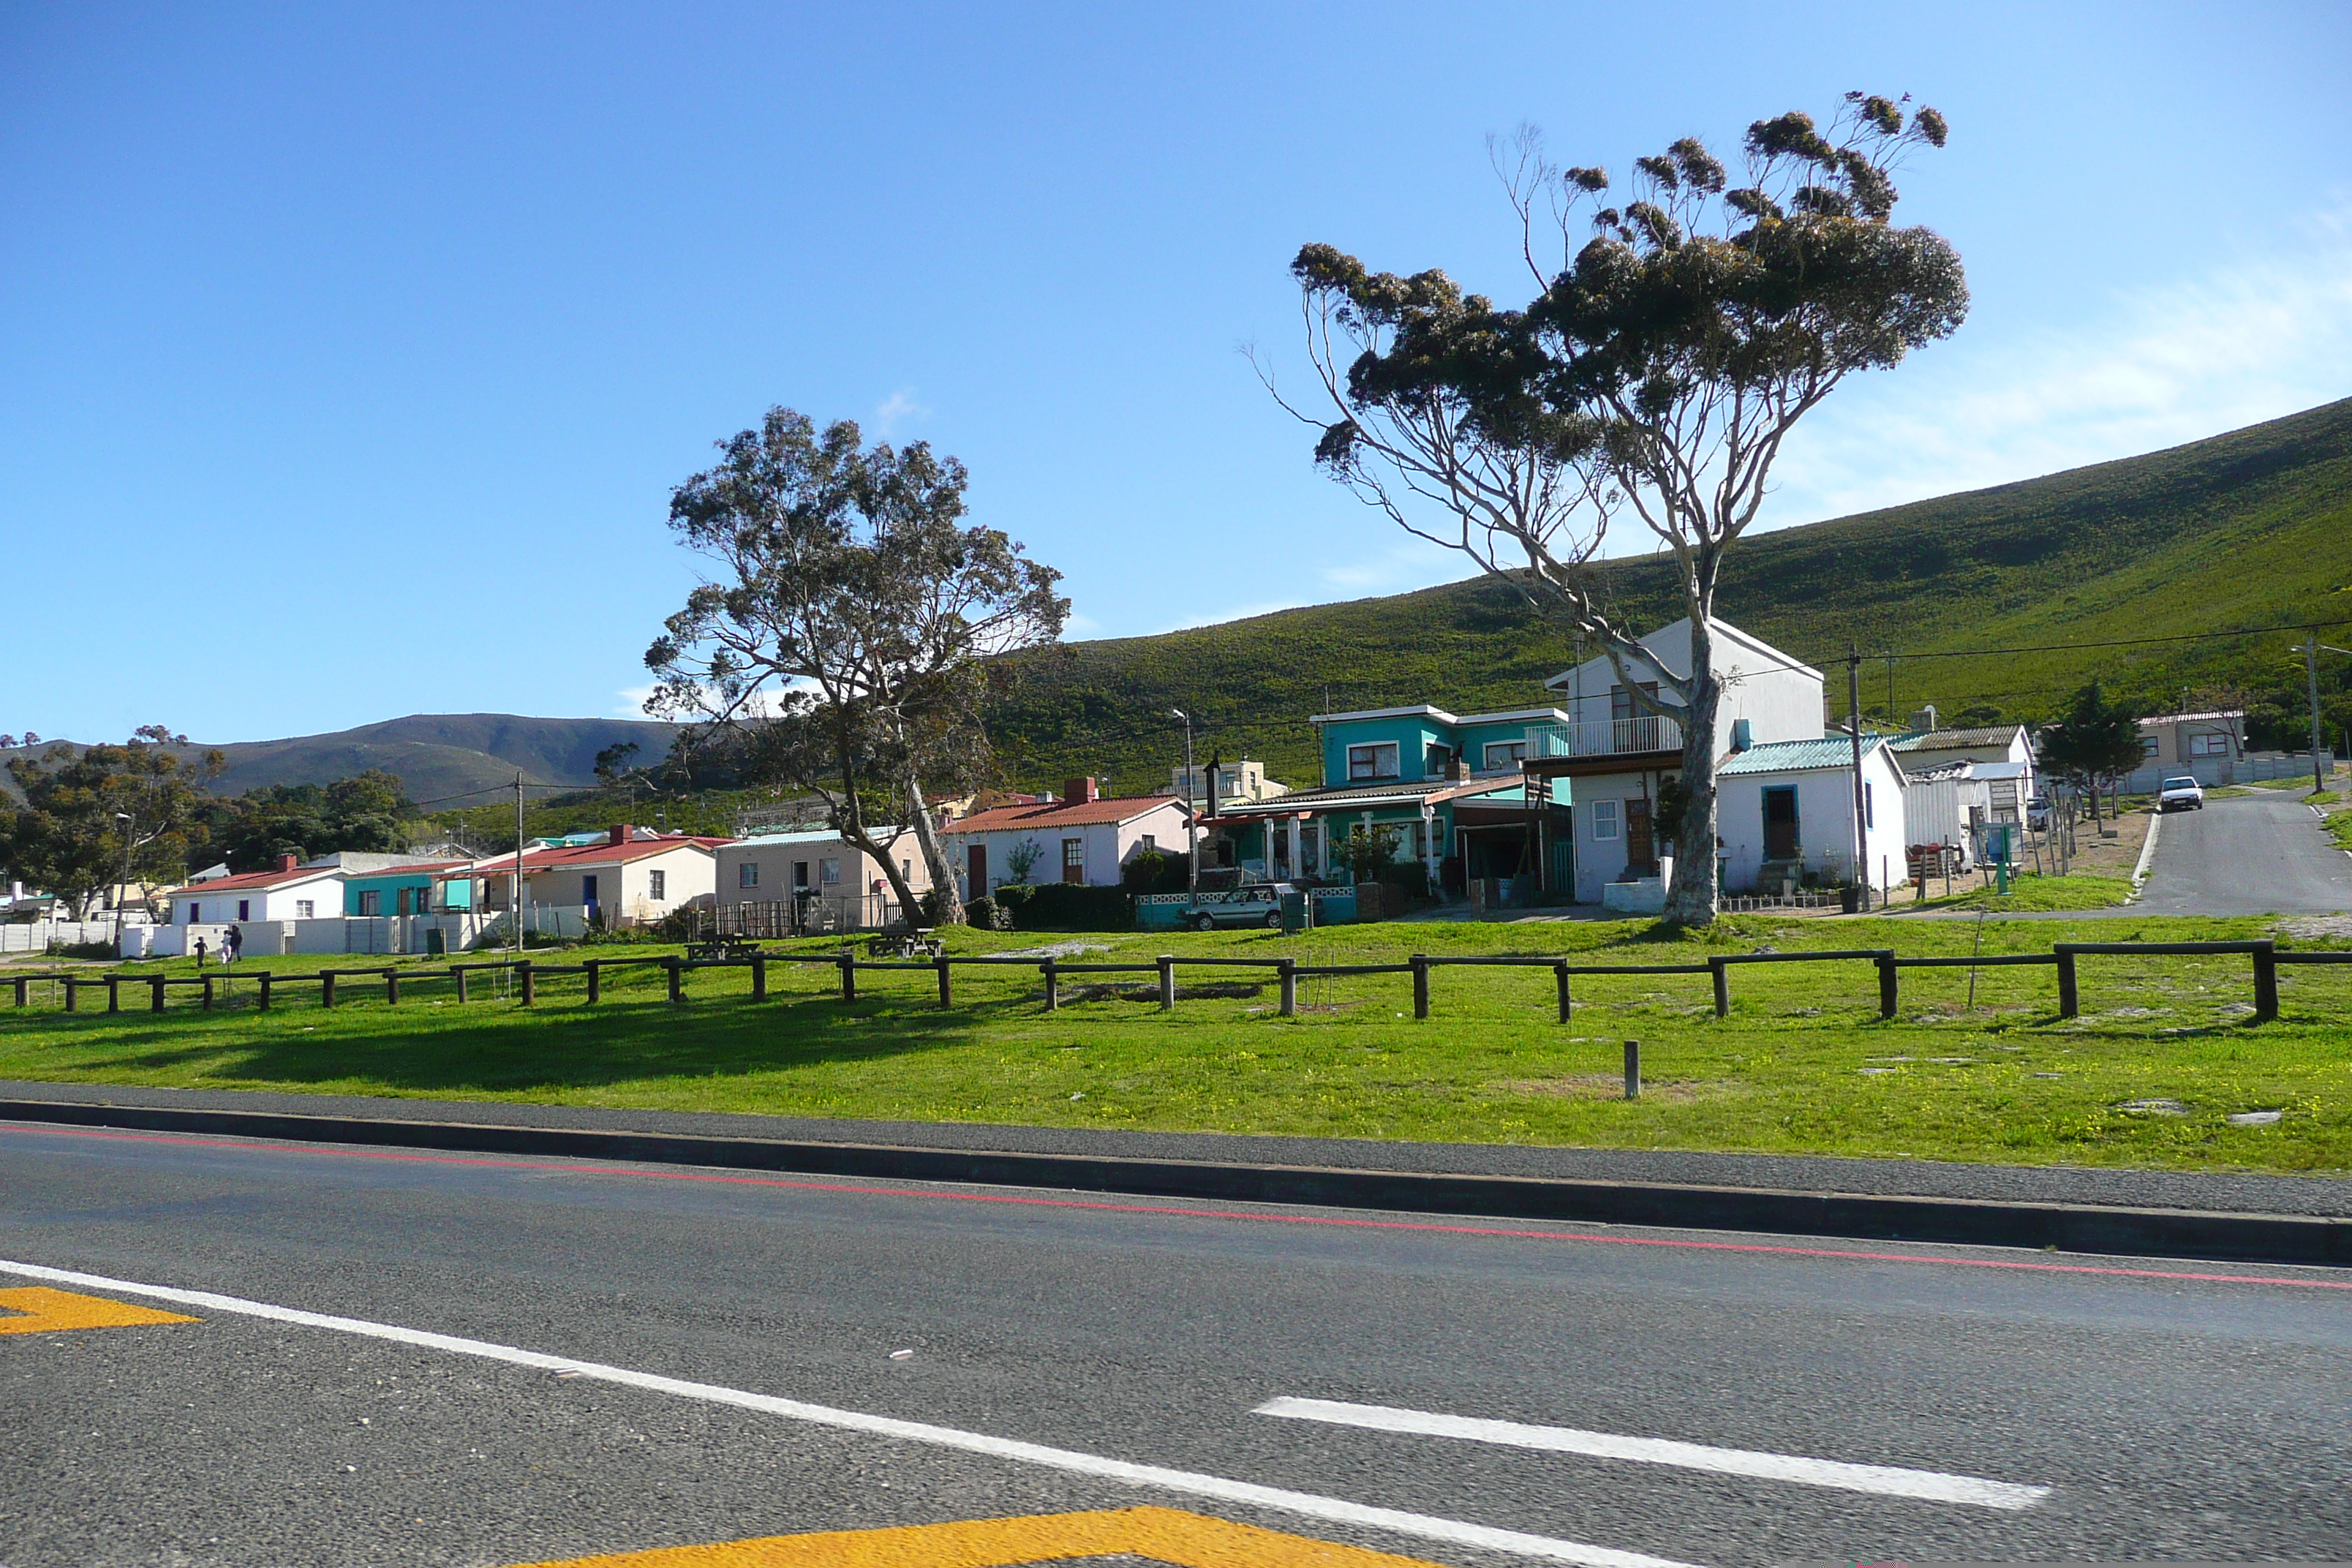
(1786, 807)
(1996, 747)
(1082, 837)
(290, 891)
(633, 876)
(765, 879)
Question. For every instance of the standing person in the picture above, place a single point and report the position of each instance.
(199, 952)
(232, 944)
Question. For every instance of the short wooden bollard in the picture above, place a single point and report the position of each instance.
(1052, 985)
(326, 988)
(1167, 982)
(759, 978)
(72, 987)
(676, 974)
(21, 984)
(1721, 974)
(527, 980)
(1633, 1069)
(2266, 984)
(392, 987)
(155, 1004)
(208, 1002)
(595, 982)
(848, 977)
(2069, 1000)
(1889, 986)
(1559, 978)
(113, 995)
(1288, 969)
(457, 972)
(947, 981)
(264, 978)
(1420, 985)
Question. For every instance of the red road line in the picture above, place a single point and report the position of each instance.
(616, 1169)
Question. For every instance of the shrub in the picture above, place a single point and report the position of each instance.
(987, 914)
(1151, 871)
(1065, 906)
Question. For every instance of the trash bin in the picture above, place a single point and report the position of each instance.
(1849, 900)
(1298, 912)
(437, 942)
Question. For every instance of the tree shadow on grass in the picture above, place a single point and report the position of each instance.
(557, 1048)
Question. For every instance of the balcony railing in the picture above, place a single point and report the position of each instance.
(1605, 738)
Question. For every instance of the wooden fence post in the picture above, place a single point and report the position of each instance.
(21, 982)
(326, 988)
(1721, 971)
(2266, 984)
(675, 973)
(457, 972)
(392, 987)
(208, 1003)
(1052, 985)
(1889, 995)
(156, 1004)
(527, 979)
(1559, 974)
(264, 977)
(947, 981)
(1633, 1069)
(595, 982)
(2070, 1001)
(1420, 986)
(113, 995)
(71, 988)
(759, 977)
(1288, 970)
(1167, 982)
(848, 962)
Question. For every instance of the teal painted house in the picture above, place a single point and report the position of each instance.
(405, 889)
(1447, 790)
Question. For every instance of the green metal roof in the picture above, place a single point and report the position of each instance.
(1797, 756)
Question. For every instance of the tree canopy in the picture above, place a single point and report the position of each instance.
(364, 812)
(90, 815)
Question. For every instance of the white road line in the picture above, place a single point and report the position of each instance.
(1930, 1485)
(1308, 1504)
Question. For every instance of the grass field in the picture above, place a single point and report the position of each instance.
(2082, 890)
(2148, 1076)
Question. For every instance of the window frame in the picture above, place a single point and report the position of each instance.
(1518, 749)
(1613, 819)
(1371, 759)
(2210, 744)
(658, 886)
(746, 875)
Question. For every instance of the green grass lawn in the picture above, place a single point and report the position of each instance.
(2082, 890)
(1803, 1064)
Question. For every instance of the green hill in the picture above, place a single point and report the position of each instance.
(2250, 529)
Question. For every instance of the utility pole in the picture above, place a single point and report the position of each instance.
(518, 874)
(1853, 729)
(2311, 682)
(1191, 829)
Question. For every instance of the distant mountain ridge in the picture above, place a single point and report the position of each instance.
(436, 755)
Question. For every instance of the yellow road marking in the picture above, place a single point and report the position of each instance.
(49, 1311)
(1162, 1534)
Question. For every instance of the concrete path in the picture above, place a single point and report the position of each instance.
(408, 1358)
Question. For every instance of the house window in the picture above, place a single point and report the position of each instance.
(304, 909)
(2148, 745)
(1869, 807)
(1374, 761)
(800, 874)
(907, 869)
(371, 902)
(829, 872)
(194, 912)
(243, 906)
(1622, 704)
(1150, 843)
(746, 875)
(1501, 754)
(657, 885)
(1604, 821)
(2209, 745)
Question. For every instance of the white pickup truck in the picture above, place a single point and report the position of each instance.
(2180, 795)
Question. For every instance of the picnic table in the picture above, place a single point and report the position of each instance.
(721, 946)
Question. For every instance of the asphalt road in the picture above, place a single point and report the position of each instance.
(2258, 854)
(2170, 1410)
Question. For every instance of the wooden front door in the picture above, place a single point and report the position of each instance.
(1641, 849)
(1074, 860)
(1780, 823)
(976, 870)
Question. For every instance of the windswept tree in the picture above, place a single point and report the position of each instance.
(90, 816)
(852, 605)
(1675, 337)
(2093, 746)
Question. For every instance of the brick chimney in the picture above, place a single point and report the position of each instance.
(618, 834)
(286, 862)
(1079, 792)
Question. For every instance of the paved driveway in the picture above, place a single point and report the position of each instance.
(2261, 854)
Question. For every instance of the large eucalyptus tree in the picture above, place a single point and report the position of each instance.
(1670, 348)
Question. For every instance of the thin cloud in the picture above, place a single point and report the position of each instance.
(897, 411)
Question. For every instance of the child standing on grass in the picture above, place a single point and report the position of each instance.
(199, 952)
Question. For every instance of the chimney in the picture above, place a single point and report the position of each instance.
(286, 862)
(1079, 792)
(618, 834)
(1925, 719)
(1457, 768)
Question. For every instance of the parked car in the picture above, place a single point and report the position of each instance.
(2037, 814)
(1252, 904)
(2180, 795)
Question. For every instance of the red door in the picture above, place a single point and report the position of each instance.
(976, 870)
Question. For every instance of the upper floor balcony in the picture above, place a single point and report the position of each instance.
(1603, 742)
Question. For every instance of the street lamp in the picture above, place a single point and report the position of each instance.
(1192, 832)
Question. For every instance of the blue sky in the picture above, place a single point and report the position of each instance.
(351, 353)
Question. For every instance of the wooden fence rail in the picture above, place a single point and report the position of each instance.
(1288, 971)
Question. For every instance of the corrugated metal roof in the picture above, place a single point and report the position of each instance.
(1947, 740)
(1797, 756)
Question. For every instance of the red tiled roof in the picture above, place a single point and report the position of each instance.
(1058, 813)
(246, 881)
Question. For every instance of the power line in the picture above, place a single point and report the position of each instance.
(2117, 642)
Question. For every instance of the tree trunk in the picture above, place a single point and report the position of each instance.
(853, 827)
(935, 854)
(1693, 900)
